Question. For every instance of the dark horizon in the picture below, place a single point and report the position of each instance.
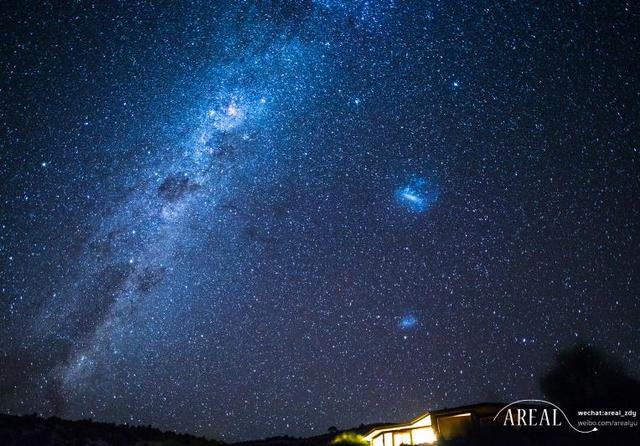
(259, 218)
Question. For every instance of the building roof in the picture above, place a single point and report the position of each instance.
(478, 408)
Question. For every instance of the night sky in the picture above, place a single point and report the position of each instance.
(257, 218)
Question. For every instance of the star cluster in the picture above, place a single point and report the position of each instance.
(246, 219)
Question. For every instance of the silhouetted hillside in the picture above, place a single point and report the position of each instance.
(318, 440)
(32, 430)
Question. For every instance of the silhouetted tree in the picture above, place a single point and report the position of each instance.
(584, 378)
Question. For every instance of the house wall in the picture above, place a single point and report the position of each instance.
(448, 423)
(412, 436)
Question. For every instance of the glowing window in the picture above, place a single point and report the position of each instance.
(423, 435)
(377, 441)
(403, 437)
(388, 439)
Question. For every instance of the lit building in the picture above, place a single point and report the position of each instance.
(431, 426)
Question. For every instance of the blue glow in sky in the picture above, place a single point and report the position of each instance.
(408, 321)
(418, 195)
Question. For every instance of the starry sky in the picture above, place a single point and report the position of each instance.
(251, 218)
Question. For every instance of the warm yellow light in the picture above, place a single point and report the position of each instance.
(423, 435)
(349, 439)
(418, 431)
(423, 421)
(401, 438)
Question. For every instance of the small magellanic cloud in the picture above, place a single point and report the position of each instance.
(408, 321)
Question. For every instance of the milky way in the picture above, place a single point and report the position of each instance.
(258, 218)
